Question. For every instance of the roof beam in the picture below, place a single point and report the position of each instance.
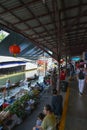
(33, 18)
(72, 7)
(36, 18)
(18, 7)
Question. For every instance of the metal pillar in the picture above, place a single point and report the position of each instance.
(58, 37)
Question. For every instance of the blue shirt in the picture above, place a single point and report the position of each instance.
(7, 85)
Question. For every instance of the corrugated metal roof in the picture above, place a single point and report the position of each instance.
(57, 25)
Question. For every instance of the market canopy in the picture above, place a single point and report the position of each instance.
(58, 27)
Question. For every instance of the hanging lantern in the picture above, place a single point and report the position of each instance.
(14, 49)
(42, 62)
(61, 61)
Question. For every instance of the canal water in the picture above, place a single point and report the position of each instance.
(18, 77)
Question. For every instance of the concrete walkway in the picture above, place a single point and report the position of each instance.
(76, 116)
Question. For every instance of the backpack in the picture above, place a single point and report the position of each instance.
(81, 75)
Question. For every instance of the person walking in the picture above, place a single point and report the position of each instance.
(72, 71)
(81, 79)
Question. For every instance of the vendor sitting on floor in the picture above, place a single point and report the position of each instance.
(12, 121)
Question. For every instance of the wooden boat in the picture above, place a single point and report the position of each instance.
(35, 77)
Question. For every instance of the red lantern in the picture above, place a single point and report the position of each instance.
(41, 62)
(14, 49)
(61, 61)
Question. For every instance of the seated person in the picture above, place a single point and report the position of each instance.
(27, 108)
(31, 103)
(5, 104)
(12, 121)
(29, 84)
(39, 121)
(49, 122)
(40, 86)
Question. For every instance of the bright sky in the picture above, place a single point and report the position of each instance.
(4, 32)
